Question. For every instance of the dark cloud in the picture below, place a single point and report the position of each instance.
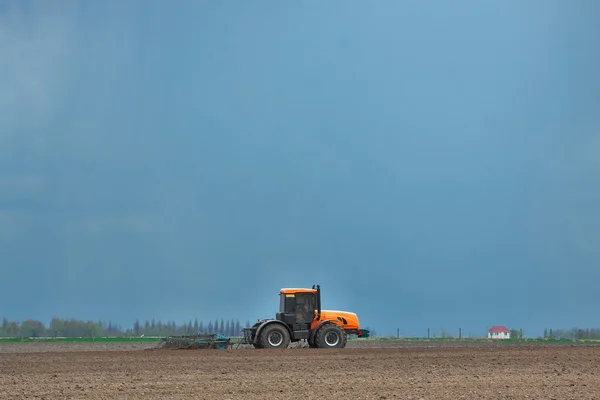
(429, 167)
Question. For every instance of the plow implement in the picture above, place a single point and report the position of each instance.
(199, 341)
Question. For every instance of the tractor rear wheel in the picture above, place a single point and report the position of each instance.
(331, 336)
(274, 336)
(255, 340)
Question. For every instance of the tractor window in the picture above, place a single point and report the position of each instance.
(287, 302)
(305, 306)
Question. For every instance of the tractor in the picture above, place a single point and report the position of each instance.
(300, 317)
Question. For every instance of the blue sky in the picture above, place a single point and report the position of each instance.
(429, 164)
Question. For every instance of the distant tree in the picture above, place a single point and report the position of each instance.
(136, 328)
(201, 327)
(228, 328)
(237, 329)
(4, 327)
(94, 329)
(13, 329)
(516, 334)
(210, 328)
(445, 334)
(32, 328)
(196, 325)
(60, 327)
(75, 328)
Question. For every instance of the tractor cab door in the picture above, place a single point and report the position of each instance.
(305, 307)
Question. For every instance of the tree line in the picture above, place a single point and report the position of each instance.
(60, 327)
(573, 333)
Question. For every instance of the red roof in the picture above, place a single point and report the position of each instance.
(496, 328)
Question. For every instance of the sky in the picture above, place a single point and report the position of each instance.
(429, 164)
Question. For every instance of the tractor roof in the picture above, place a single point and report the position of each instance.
(297, 290)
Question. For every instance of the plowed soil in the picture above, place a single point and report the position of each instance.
(53, 371)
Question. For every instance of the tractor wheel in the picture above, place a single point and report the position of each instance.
(274, 336)
(256, 344)
(331, 336)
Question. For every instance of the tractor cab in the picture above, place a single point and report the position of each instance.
(298, 307)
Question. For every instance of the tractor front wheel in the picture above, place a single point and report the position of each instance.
(274, 336)
(331, 336)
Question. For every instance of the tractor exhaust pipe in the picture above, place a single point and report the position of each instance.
(318, 287)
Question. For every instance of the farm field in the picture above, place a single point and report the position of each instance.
(364, 370)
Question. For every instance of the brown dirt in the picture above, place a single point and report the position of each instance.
(100, 371)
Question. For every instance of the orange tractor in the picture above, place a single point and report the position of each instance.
(300, 317)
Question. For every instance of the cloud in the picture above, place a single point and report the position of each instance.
(34, 47)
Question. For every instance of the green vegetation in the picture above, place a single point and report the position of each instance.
(573, 333)
(516, 334)
(72, 328)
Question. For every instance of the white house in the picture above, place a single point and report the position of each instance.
(498, 332)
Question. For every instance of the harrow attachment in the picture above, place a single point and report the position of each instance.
(199, 341)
